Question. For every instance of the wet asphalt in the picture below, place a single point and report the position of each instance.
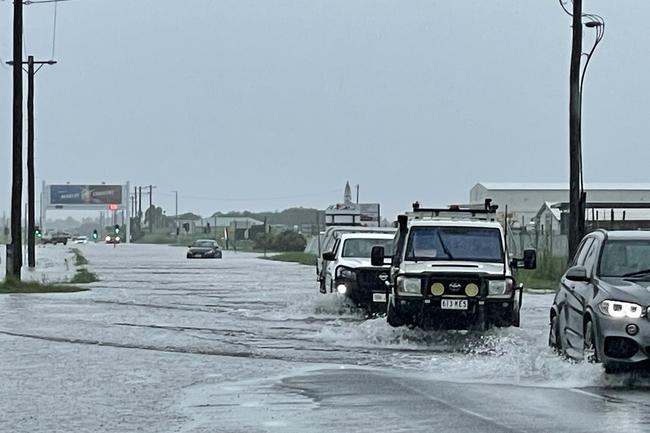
(166, 344)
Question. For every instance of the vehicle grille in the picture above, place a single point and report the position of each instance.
(369, 280)
(454, 284)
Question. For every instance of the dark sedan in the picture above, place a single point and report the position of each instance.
(204, 248)
(600, 313)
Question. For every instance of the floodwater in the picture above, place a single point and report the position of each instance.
(166, 344)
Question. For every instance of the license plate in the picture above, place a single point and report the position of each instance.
(378, 297)
(453, 304)
(198, 255)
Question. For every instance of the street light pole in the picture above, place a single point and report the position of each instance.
(575, 153)
(577, 194)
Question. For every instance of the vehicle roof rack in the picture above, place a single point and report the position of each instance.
(479, 212)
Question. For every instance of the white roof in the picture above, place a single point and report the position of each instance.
(562, 186)
(347, 236)
(453, 223)
(557, 214)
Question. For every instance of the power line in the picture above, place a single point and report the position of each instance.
(54, 30)
(193, 197)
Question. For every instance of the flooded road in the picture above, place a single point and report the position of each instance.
(166, 344)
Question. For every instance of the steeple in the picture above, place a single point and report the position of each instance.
(347, 195)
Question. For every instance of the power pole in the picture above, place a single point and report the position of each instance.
(150, 209)
(575, 154)
(140, 204)
(31, 195)
(31, 236)
(14, 252)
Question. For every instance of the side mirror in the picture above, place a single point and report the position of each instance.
(377, 256)
(577, 273)
(530, 259)
(330, 257)
(189, 246)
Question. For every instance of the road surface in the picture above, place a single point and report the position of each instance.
(166, 344)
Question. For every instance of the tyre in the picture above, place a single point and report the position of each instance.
(392, 317)
(590, 353)
(554, 333)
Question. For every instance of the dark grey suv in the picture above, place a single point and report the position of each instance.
(600, 312)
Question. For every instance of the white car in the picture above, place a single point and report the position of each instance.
(80, 240)
(350, 273)
(328, 240)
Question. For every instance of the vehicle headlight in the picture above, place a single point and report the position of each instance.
(619, 310)
(107, 238)
(500, 287)
(409, 286)
(117, 238)
(343, 272)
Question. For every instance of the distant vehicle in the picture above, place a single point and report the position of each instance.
(600, 313)
(80, 240)
(204, 248)
(451, 270)
(113, 239)
(328, 244)
(55, 238)
(349, 271)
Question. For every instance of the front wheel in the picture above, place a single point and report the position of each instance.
(554, 333)
(392, 317)
(590, 352)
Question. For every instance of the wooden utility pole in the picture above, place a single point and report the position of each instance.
(14, 251)
(31, 196)
(31, 235)
(575, 153)
(150, 209)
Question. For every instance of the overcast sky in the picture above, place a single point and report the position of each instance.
(267, 104)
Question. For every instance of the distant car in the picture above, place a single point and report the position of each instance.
(80, 240)
(600, 313)
(113, 239)
(204, 248)
(55, 238)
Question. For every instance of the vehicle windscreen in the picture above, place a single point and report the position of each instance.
(621, 258)
(477, 244)
(362, 248)
(203, 244)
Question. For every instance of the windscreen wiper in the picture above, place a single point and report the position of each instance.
(643, 272)
(444, 247)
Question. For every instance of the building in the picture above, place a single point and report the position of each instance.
(239, 227)
(350, 213)
(524, 200)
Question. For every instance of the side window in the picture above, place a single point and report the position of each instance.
(591, 256)
(579, 259)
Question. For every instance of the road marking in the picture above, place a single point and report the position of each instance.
(460, 409)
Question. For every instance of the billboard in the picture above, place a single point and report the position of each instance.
(85, 194)
(370, 214)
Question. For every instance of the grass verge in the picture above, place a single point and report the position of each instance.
(84, 276)
(79, 258)
(14, 286)
(546, 276)
(297, 257)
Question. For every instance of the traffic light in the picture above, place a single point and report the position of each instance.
(37, 232)
(117, 229)
(95, 235)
